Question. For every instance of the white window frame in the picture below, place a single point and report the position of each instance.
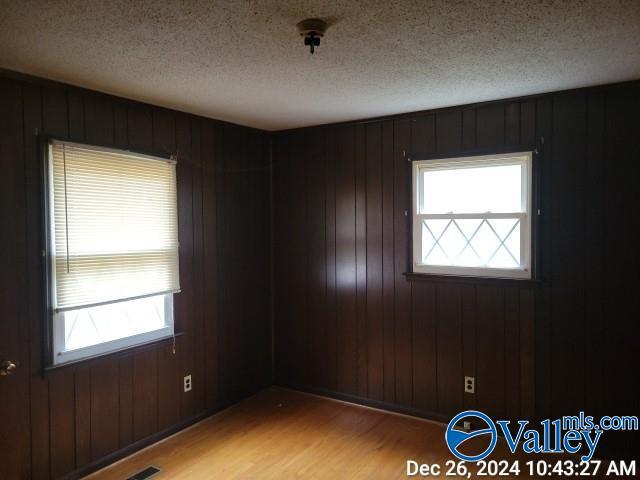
(64, 356)
(60, 355)
(525, 216)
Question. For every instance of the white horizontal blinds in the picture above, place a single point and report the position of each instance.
(115, 225)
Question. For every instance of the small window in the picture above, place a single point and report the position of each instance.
(112, 249)
(472, 216)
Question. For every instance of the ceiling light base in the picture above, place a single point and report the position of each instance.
(312, 29)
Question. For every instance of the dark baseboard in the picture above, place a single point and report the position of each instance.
(354, 399)
(156, 437)
(606, 453)
(367, 402)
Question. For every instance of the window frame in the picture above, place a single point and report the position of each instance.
(51, 320)
(62, 356)
(527, 223)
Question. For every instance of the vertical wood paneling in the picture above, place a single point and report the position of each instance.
(256, 333)
(145, 393)
(620, 226)
(512, 351)
(229, 160)
(544, 112)
(169, 384)
(283, 334)
(468, 310)
(595, 240)
(512, 123)
(39, 386)
(198, 378)
(242, 329)
(54, 112)
(242, 232)
(99, 120)
(168, 355)
(402, 291)
(140, 127)
(449, 131)
(346, 261)
(62, 423)
(14, 340)
(82, 409)
(281, 267)
(528, 123)
(361, 257)
(449, 348)
(120, 134)
(316, 262)
(40, 428)
(330, 235)
(105, 402)
(32, 120)
(490, 122)
(164, 132)
(423, 136)
(424, 139)
(374, 253)
(372, 332)
(125, 403)
(527, 353)
(76, 115)
(567, 255)
(239, 234)
(490, 350)
(185, 300)
(521, 341)
(469, 129)
(80, 414)
(425, 379)
(57, 414)
(209, 380)
(388, 277)
(299, 320)
(263, 244)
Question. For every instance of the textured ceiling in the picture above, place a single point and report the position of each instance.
(242, 61)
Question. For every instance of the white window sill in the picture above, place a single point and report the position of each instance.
(114, 353)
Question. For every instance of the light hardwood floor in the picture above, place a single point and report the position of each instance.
(281, 434)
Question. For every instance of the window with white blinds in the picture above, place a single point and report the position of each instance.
(113, 234)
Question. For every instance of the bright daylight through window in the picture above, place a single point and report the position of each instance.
(472, 216)
(113, 249)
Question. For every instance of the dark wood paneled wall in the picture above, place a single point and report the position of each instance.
(78, 415)
(349, 323)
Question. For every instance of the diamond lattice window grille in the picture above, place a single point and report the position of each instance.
(482, 242)
(91, 326)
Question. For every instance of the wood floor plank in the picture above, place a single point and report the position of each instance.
(280, 433)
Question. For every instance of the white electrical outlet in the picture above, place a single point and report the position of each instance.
(466, 425)
(469, 384)
(187, 383)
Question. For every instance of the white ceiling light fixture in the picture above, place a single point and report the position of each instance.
(312, 29)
